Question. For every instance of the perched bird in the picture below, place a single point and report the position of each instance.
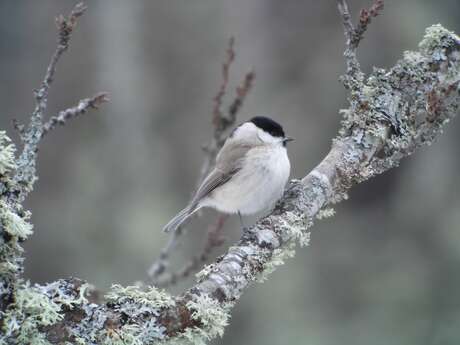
(250, 174)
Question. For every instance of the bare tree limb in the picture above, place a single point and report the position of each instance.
(34, 132)
(423, 87)
(221, 124)
(83, 106)
(217, 115)
(353, 36)
(214, 239)
(19, 176)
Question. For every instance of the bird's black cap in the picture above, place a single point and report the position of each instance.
(268, 125)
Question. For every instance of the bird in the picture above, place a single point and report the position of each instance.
(250, 172)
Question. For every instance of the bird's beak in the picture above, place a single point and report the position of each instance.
(288, 139)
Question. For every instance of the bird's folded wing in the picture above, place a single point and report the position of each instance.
(228, 163)
(215, 179)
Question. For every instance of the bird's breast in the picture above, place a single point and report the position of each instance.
(258, 185)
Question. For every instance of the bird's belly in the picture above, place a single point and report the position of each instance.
(256, 188)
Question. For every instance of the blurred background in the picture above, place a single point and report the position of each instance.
(384, 270)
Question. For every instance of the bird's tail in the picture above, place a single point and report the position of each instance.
(179, 218)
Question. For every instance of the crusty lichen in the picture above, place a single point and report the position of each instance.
(7, 150)
(422, 88)
(278, 258)
(436, 38)
(141, 308)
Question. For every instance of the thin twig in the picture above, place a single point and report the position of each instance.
(160, 265)
(65, 28)
(83, 106)
(34, 131)
(241, 93)
(221, 123)
(214, 240)
(217, 110)
(365, 18)
(353, 35)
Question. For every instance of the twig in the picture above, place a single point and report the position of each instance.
(65, 28)
(214, 240)
(354, 76)
(83, 106)
(36, 129)
(217, 110)
(365, 17)
(222, 123)
(241, 92)
(24, 176)
(159, 266)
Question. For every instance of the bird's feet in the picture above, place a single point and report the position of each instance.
(244, 229)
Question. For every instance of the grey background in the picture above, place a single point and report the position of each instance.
(384, 270)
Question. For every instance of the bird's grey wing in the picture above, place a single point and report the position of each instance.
(215, 179)
(228, 163)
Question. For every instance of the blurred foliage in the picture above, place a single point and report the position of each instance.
(381, 271)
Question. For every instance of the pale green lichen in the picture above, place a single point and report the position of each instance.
(435, 35)
(211, 314)
(7, 150)
(31, 310)
(152, 298)
(137, 304)
(205, 271)
(36, 307)
(133, 334)
(324, 213)
(413, 57)
(278, 258)
(65, 295)
(14, 224)
(296, 227)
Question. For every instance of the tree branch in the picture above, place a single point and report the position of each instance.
(423, 87)
(158, 272)
(214, 240)
(32, 134)
(82, 108)
(354, 76)
(17, 177)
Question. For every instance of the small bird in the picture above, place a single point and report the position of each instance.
(250, 174)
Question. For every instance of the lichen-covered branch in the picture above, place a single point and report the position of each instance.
(81, 108)
(353, 36)
(32, 134)
(422, 88)
(24, 310)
